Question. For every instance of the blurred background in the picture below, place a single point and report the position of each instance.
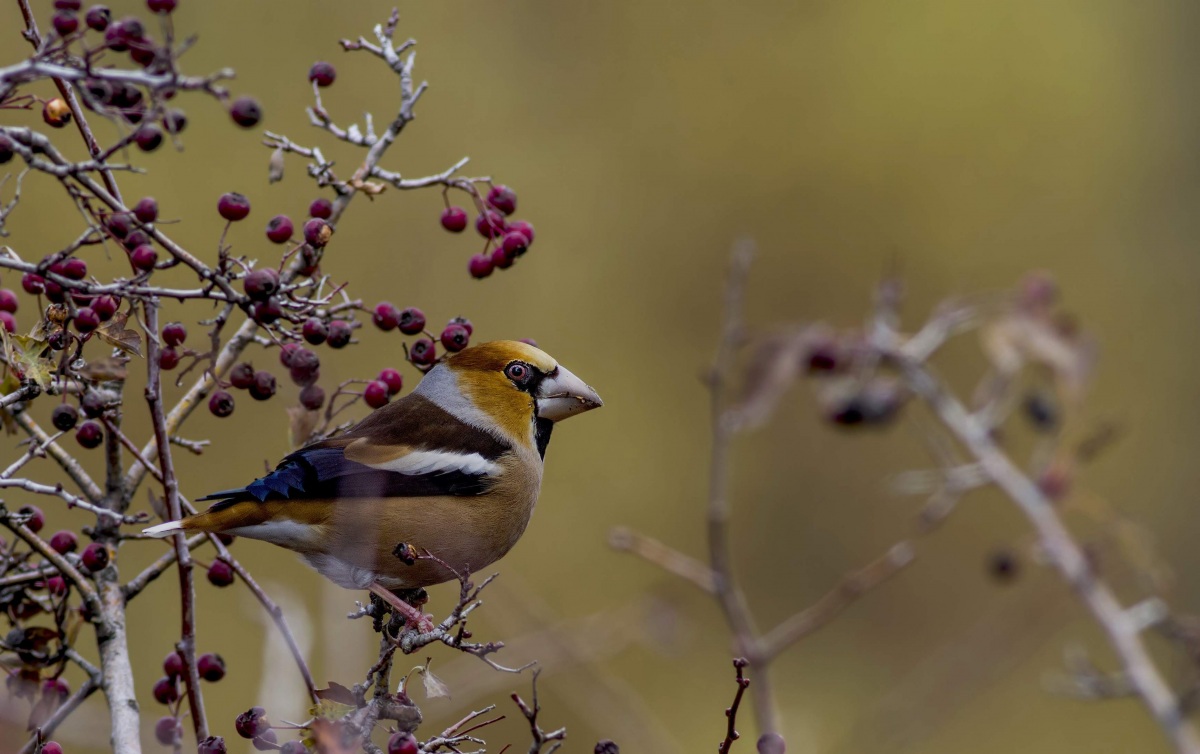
(962, 143)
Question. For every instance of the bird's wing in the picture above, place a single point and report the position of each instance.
(410, 448)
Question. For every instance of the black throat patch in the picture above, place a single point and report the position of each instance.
(541, 434)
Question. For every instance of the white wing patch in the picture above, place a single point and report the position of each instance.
(435, 461)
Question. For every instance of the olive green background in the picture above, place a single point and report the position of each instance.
(964, 142)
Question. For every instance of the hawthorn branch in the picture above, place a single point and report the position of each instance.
(743, 683)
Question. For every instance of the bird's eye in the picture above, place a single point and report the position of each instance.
(518, 372)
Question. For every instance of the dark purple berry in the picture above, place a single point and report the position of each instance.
(168, 730)
(64, 541)
(261, 284)
(455, 338)
(8, 301)
(246, 112)
(33, 284)
(220, 573)
(221, 404)
(266, 312)
(402, 743)
(241, 376)
(315, 331)
(317, 232)
(502, 198)
(480, 266)
(6, 149)
(105, 307)
(8, 321)
(148, 137)
(56, 585)
(98, 18)
(71, 5)
(514, 243)
(312, 397)
(233, 206)
(136, 238)
(263, 387)
(422, 352)
(65, 23)
(321, 208)
(36, 519)
(253, 722)
(386, 316)
(120, 224)
(86, 320)
(161, 6)
(143, 258)
(168, 359)
(211, 667)
(64, 417)
(304, 367)
(393, 379)
(490, 224)
(93, 404)
(520, 226)
(280, 229)
(95, 557)
(339, 333)
(175, 121)
(412, 321)
(501, 259)
(322, 73)
(454, 219)
(75, 269)
(89, 435)
(174, 333)
(376, 394)
(166, 691)
(146, 210)
(287, 351)
(173, 665)
(212, 745)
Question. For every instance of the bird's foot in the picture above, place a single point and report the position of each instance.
(413, 617)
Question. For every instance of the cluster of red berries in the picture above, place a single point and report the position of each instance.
(89, 434)
(510, 238)
(455, 336)
(210, 667)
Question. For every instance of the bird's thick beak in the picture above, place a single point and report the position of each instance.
(562, 394)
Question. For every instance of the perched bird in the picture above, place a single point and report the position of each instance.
(454, 468)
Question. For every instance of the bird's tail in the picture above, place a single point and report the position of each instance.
(219, 518)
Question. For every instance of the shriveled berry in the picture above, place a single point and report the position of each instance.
(220, 404)
(175, 121)
(32, 283)
(64, 417)
(502, 198)
(233, 206)
(8, 321)
(241, 375)
(211, 667)
(376, 394)
(9, 302)
(89, 435)
(86, 320)
(161, 6)
(65, 23)
(490, 224)
(339, 333)
(35, 518)
(393, 379)
(454, 219)
(212, 745)
(480, 266)
(412, 321)
(166, 691)
(246, 112)
(312, 397)
(56, 113)
(105, 307)
(422, 351)
(315, 330)
(304, 367)
(93, 404)
(252, 722)
(322, 73)
(266, 741)
(168, 359)
(317, 232)
(148, 137)
(280, 229)
(75, 269)
(64, 541)
(402, 743)
(501, 259)
(261, 284)
(266, 312)
(514, 243)
(168, 730)
(386, 316)
(321, 208)
(56, 585)
(263, 387)
(520, 226)
(220, 573)
(287, 351)
(455, 338)
(146, 210)
(52, 747)
(95, 557)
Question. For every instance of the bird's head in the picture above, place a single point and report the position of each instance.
(516, 388)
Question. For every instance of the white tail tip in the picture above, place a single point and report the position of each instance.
(163, 530)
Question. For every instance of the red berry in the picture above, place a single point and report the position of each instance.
(211, 667)
(393, 379)
(221, 404)
(480, 266)
(161, 6)
(253, 722)
(166, 691)
(454, 219)
(520, 226)
(120, 224)
(174, 333)
(317, 232)
(233, 206)
(98, 18)
(136, 238)
(304, 367)
(63, 417)
(515, 243)
(502, 259)
(173, 665)
(490, 224)
(422, 351)
(339, 333)
(263, 387)
(9, 302)
(8, 321)
(56, 585)
(386, 316)
(52, 747)
(36, 519)
(465, 323)
(175, 121)
(93, 404)
(412, 321)
(146, 210)
(220, 573)
(105, 307)
(65, 23)
(312, 397)
(241, 376)
(143, 258)
(64, 541)
(402, 743)
(75, 269)
(287, 351)
(315, 331)
(168, 359)
(261, 284)
(321, 208)
(246, 112)
(279, 229)
(376, 394)
(455, 338)
(148, 137)
(502, 198)
(266, 312)
(168, 730)
(6, 149)
(32, 283)
(86, 320)
(322, 73)
(212, 745)
(89, 435)
(95, 557)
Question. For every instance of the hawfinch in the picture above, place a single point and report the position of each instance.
(453, 468)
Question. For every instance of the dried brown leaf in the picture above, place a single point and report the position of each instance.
(301, 423)
(116, 334)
